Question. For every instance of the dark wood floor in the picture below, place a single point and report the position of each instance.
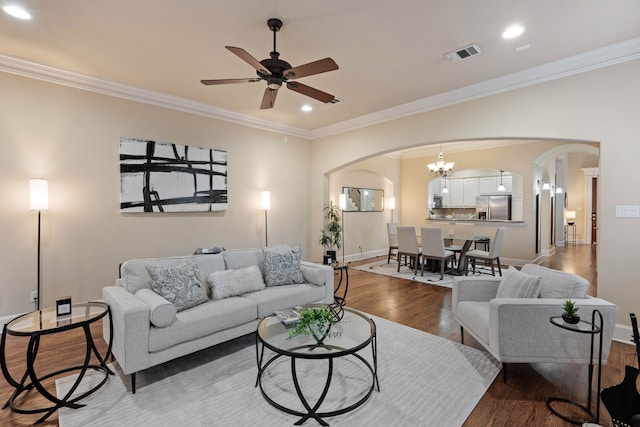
(520, 402)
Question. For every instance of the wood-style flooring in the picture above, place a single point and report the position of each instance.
(520, 402)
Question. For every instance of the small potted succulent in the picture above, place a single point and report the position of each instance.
(570, 314)
(316, 322)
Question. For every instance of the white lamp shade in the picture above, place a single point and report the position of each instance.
(38, 194)
(391, 202)
(546, 186)
(265, 200)
(571, 214)
(342, 201)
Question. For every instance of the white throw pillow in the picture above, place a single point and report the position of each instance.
(163, 313)
(515, 284)
(180, 285)
(282, 265)
(228, 283)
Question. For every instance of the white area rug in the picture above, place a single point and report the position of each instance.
(381, 267)
(425, 380)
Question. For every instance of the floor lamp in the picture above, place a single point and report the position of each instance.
(265, 204)
(342, 204)
(38, 201)
(391, 202)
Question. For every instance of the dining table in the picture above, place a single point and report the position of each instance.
(461, 266)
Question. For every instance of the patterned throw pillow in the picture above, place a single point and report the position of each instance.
(180, 285)
(282, 265)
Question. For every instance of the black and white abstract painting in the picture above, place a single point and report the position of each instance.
(162, 177)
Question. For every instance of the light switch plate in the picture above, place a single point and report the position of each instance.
(627, 211)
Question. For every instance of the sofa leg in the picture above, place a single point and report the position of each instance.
(461, 335)
(133, 383)
(504, 372)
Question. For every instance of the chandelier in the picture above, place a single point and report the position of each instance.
(440, 168)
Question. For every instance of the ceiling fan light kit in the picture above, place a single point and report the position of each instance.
(277, 72)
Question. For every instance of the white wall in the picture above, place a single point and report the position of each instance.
(596, 106)
(71, 137)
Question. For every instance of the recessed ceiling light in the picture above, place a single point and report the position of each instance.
(17, 12)
(513, 31)
(306, 108)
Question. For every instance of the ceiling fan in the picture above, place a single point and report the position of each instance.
(277, 72)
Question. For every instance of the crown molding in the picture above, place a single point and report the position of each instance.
(25, 68)
(609, 55)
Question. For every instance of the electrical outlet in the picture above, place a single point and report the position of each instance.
(34, 296)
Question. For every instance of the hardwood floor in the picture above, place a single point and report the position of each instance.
(520, 402)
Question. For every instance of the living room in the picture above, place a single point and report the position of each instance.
(65, 127)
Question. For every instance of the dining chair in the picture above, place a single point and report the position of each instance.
(462, 231)
(408, 246)
(392, 236)
(492, 256)
(433, 248)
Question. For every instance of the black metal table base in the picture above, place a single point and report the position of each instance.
(314, 411)
(591, 418)
(30, 379)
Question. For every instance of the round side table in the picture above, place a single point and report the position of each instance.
(593, 329)
(45, 322)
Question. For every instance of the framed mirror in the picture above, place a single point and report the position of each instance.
(363, 199)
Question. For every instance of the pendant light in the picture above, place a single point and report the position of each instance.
(445, 190)
(501, 187)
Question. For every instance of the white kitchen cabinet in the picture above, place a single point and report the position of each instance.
(487, 185)
(507, 181)
(470, 192)
(456, 193)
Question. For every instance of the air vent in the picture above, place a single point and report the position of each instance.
(335, 101)
(464, 53)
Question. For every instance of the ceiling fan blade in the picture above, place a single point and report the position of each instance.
(316, 67)
(246, 57)
(227, 81)
(309, 91)
(269, 98)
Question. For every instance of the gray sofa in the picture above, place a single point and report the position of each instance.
(518, 330)
(149, 330)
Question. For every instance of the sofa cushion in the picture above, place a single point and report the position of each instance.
(285, 296)
(239, 258)
(282, 266)
(134, 274)
(180, 285)
(162, 312)
(313, 274)
(515, 284)
(558, 284)
(202, 320)
(228, 283)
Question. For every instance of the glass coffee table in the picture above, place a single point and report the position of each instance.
(356, 332)
(45, 322)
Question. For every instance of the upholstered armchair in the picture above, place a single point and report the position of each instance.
(513, 323)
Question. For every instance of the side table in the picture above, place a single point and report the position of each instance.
(593, 329)
(45, 322)
(344, 270)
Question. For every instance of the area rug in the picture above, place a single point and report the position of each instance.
(424, 380)
(431, 278)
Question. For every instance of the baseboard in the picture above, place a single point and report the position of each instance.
(623, 334)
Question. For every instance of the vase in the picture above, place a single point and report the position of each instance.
(570, 319)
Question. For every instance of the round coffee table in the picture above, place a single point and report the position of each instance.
(356, 331)
(45, 322)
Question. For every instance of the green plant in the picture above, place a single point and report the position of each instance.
(570, 309)
(316, 322)
(331, 234)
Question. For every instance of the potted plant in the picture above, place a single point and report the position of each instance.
(316, 322)
(570, 314)
(331, 234)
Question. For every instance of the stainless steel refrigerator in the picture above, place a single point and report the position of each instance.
(493, 207)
